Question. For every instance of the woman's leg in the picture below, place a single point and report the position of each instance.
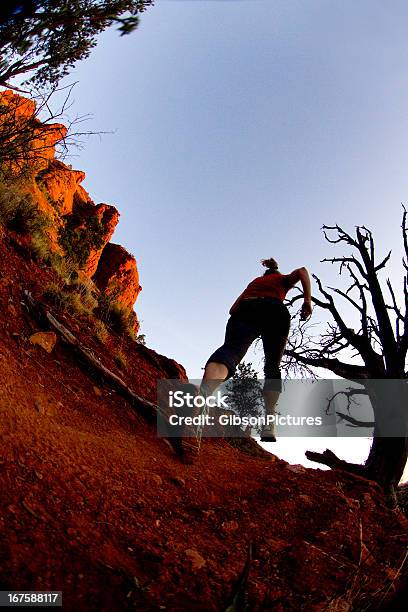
(270, 399)
(240, 332)
(214, 373)
(274, 338)
(239, 335)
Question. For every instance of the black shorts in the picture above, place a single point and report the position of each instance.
(267, 318)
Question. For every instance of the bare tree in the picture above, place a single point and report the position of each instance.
(375, 351)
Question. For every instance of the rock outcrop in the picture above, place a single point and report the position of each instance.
(79, 229)
(86, 232)
(117, 274)
(34, 142)
(61, 184)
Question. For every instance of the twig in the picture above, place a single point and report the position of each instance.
(394, 579)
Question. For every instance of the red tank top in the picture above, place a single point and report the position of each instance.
(272, 285)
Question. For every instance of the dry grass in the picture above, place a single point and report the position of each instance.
(73, 299)
(40, 246)
(358, 595)
(101, 332)
(121, 359)
(18, 211)
(115, 315)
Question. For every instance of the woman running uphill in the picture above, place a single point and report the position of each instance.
(259, 311)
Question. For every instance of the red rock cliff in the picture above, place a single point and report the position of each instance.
(79, 229)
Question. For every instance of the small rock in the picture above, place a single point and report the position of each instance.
(339, 604)
(230, 525)
(71, 531)
(157, 479)
(196, 559)
(97, 391)
(39, 407)
(298, 469)
(46, 340)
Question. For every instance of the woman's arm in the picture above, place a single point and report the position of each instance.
(302, 275)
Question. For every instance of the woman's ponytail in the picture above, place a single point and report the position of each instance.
(271, 265)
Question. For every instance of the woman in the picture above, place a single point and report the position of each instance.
(259, 311)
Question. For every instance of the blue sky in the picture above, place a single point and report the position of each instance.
(238, 129)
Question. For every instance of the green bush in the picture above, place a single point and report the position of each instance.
(78, 241)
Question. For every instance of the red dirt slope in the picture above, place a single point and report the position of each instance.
(95, 505)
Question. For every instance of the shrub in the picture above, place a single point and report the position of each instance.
(115, 315)
(54, 294)
(85, 292)
(44, 191)
(80, 303)
(19, 213)
(121, 360)
(101, 332)
(64, 267)
(78, 241)
(40, 247)
(73, 299)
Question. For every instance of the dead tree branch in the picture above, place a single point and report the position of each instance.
(145, 407)
(379, 341)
